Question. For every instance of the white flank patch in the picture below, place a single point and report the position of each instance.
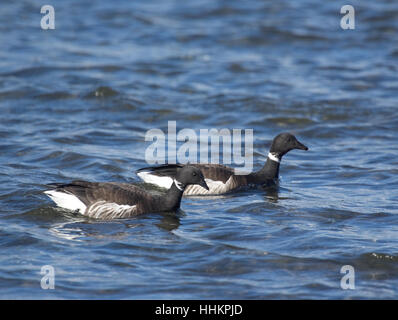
(214, 184)
(110, 210)
(163, 182)
(66, 200)
(215, 187)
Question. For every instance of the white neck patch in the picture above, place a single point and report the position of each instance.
(179, 185)
(274, 157)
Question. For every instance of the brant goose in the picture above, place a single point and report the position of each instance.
(112, 200)
(222, 179)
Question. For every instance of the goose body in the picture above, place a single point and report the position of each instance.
(222, 179)
(109, 200)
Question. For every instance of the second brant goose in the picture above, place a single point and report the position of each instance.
(110, 200)
(222, 179)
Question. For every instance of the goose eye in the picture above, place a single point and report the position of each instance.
(194, 174)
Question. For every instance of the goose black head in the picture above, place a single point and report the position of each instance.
(191, 175)
(284, 142)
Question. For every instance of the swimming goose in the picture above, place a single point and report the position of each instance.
(222, 179)
(112, 200)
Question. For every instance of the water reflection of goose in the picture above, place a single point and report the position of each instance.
(64, 230)
(81, 229)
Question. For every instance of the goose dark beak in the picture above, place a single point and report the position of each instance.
(300, 146)
(204, 184)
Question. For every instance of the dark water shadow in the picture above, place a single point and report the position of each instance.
(170, 220)
(271, 193)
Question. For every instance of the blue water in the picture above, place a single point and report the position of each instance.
(77, 101)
